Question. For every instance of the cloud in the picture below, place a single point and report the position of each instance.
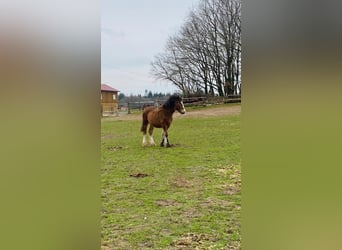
(112, 34)
(134, 80)
(133, 32)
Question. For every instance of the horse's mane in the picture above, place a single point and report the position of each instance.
(170, 103)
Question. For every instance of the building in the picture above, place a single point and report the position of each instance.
(109, 99)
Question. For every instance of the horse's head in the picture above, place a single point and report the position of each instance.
(179, 106)
(174, 103)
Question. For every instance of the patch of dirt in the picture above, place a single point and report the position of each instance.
(211, 202)
(231, 190)
(118, 244)
(190, 213)
(212, 112)
(234, 245)
(235, 186)
(223, 171)
(165, 203)
(236, 176)
(180, 182)
(192, 241)
(139, 175)
(114, 148)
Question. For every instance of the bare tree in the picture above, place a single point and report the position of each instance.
(205, 56)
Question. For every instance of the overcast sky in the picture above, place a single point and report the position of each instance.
(132, 33)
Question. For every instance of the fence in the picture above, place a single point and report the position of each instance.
(204, 100)
(127, 107)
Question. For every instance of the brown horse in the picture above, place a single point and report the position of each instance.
(161, 118)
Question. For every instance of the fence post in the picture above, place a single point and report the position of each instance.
(128, 107)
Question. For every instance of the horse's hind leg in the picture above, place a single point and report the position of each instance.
(144, 143)
(144, 129)
(150, 131)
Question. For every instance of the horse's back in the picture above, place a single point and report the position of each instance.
(148, 109)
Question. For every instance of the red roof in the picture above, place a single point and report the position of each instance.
(105, 87)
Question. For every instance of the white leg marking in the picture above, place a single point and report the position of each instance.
(152, 141)
(163, 136)
(144, 140)
(183, 108)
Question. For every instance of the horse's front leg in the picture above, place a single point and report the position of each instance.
(165, 139)
(162, 141)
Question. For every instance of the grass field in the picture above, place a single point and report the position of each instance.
(184, 197)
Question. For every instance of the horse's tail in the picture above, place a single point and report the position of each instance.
(145, 113)
(147, 106)
(144, 121)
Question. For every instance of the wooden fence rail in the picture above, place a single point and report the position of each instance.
(188, 102)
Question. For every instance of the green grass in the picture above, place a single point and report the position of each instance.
(191, 196)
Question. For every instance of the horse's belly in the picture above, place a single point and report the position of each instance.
(156, 124)
(158, 120)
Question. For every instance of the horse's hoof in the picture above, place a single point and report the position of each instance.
(168, 145)
(161, 144)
